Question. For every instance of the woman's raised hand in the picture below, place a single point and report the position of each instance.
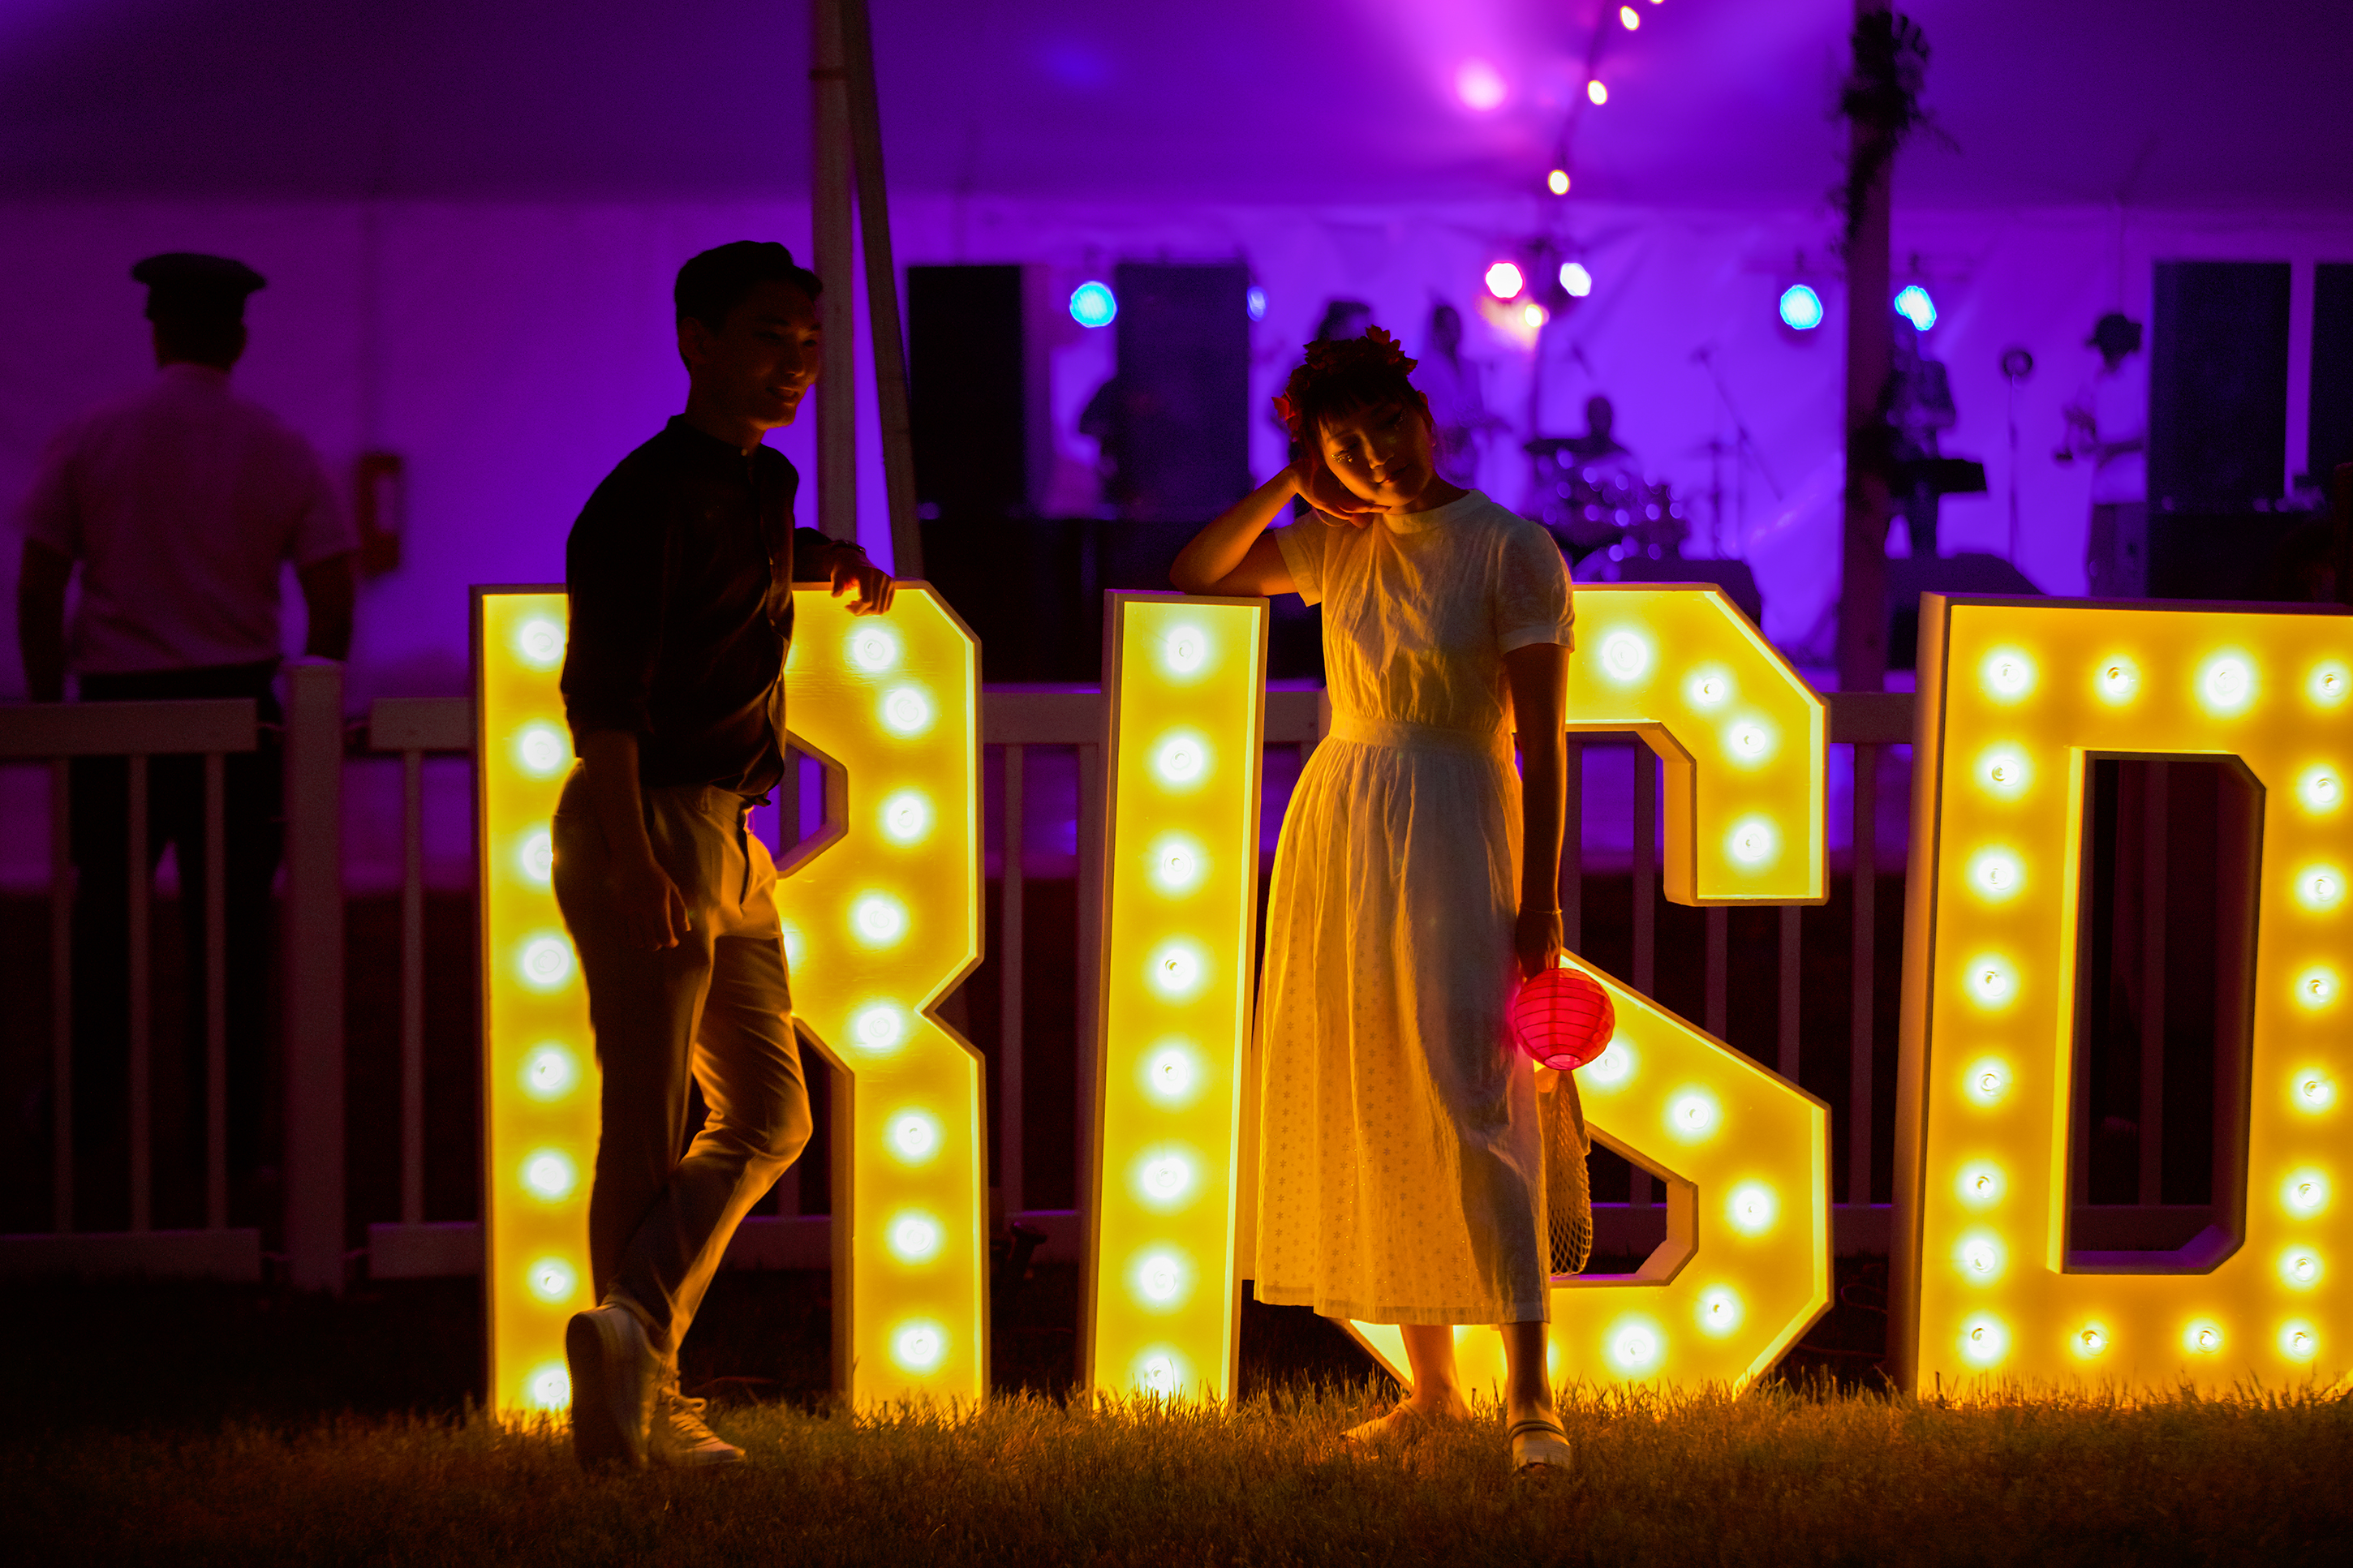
(1328, 495)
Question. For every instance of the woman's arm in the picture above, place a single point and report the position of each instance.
(1538, 674)
(1235, 556)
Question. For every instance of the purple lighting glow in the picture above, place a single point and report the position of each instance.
(1479, 87)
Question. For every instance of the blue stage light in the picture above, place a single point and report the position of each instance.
(1915, 306)
(1092, 304)
(1255, 302)
(1801, 308)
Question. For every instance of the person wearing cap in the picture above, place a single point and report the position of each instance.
(679, 573)
(2107, 422)
(177, 508)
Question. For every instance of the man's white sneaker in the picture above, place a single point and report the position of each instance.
(679, 1438)
(614, 1379)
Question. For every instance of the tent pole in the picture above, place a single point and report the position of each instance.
(882, 289)
(836, 402)
(1863, 594)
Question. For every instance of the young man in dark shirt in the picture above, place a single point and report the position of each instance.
(679, 572)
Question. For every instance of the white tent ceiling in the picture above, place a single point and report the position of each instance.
(2160, 103)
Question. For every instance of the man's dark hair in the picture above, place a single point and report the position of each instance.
(1348, 376)
(712, 284)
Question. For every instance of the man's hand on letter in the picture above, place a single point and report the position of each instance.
(853, 574)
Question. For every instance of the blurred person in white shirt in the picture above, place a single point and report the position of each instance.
(2107, 425)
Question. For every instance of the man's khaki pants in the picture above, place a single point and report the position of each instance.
(716, 1005)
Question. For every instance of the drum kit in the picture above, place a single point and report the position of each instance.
(1604, 505)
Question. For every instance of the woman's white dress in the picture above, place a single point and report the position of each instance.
(1401, 1165)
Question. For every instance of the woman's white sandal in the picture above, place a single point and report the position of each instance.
(1539, 1442)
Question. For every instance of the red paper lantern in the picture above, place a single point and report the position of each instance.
(1562, 1018)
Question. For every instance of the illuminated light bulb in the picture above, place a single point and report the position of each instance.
(2117, 681)
(1185, 651)
(1751, 1208)
(915, 1238)
(796, 945)
(2004, 773)
(1092, 304)
(2298, 1341)
(1634, 1347)
(1980, 1184)
(1625, 656)
(2328, 683)
(550, 1174)
(536, 858)
(915, 1136)
(1478, 85)
(1984, 1340)
(1181, 759)
(879, 919)
(1254, 302)
(1165, 1180)
(1594, 93)
(550, 1073)
(545, 962)
(1576, 281)
(1709, 689)
(1613, 1067)
(2315, 1091)
(2316, 988)
(872, 649)
(539, 643)
(550, 1386)
(1177, 864)
(1629, 18)
(1987, 1081)
(540, 749)
(1534, 315)
(1693, 1115)
(1992, 982)
(1750, 742)
(2305, 1193)
(2007, 674)
(1981, 1259)
(879, 1027)
(1172, 1073)
(552, 1280)
(2320, 888)
(1801, 308)
(1505, 281)
(2089, 1341)
(1160, 1373)
(1177, 968)
(1160, 1278)
(1752, 841)
(906, 817)
(1719, 1309)
(2300, 1266)
(919, 1346)
(2203, 1337)
(906, 711)
(1996, 873)
(2320, 790)
(2227, 684)
(1557, 182)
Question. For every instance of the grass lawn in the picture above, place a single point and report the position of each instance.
(183, 1424)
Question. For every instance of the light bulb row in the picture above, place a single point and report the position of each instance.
(2225, 683)
(1985, 1339)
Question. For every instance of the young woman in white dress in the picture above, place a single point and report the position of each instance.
(1401, 1175)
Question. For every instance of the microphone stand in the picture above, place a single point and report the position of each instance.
(1745, 446)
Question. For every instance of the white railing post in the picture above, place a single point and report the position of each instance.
(314, 914)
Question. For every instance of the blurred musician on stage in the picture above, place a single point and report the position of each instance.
(2107, 422)
(1920, 409)
(1457, 409)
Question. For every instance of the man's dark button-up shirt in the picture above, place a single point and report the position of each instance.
(679, 572)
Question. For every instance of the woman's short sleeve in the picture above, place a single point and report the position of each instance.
(1302, 544)
(1532, 591)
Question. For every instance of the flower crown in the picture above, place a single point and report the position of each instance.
(1375, 351)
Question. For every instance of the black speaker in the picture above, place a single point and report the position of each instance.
(1180, 432)
(2330, 441)
(968, 394)
(2218, 388)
